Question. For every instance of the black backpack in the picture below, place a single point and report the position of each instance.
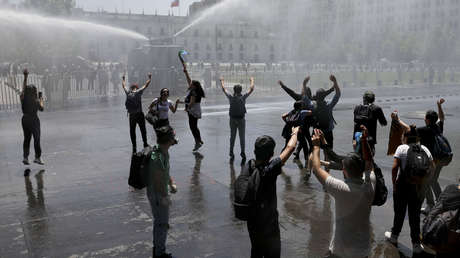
(237, 107)
(138, 173)
(417, 163)
(293, 118)
(442, 150)
(321, 115)
(381, 191)
(436, 230)
(245, 190)
(130, 102)
(363, 115)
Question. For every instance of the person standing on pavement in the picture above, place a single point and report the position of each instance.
(161, 106)
(31, 102)
(159, 184)
(368, 114)
(193, 106)
(263, 225)
(237, 114)
(134, 106)
(353, 199)
(409, 188)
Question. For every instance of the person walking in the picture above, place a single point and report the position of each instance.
(237, 114)
(159, 185)
(30, 104)
(193, 106)
(134, 106)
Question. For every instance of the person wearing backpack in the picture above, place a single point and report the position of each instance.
(353, 199)
(262, 219)
(368, 114)
(307, 99)
(410, 172)
(134, 106)
(237, 114)
(159, 184)
(161, 107)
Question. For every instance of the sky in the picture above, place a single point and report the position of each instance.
(136, 6)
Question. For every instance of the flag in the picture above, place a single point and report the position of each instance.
(175, 3)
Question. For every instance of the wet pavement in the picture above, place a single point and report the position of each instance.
(79, 203)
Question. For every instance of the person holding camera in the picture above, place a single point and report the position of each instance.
(134, 106)
(30, 104)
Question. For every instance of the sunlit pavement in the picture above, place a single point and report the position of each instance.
(81, 206)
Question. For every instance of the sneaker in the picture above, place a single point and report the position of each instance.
(26, 161)
(243, 156)
(197, 146)
(165, 255)
(38, 161)
(173, 188)
(296, 156)
(425, 210)
(417, 248)
(391, 238)
(26, 172)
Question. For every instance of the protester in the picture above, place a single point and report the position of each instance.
(306, 97)
(134, 106)
(237, 114)
(158, 182)
(414, 163)
(193, 107)
(161, 106)
(31, 102)
(263, 225)
(353, 199)
(368, 114)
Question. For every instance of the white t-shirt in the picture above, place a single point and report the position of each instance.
(353, 200)
(401, 154)
(163, 108)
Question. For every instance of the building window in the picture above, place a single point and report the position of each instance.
(230, 34)
(196, 46)
(256, 58)
(196, 33)
(219, 46)
(241, 47)
(241, 34)
(256, 34)
(208, 47)
(241, 56)
(208, 56)
(256, 47)
(272, 48)
(196, 55)
(230, 47)
(162, 31)
(219, 56)
(272, 57)
(149, 31)
(219, 33)
(230, 56)
(185, 42)
(207, 33)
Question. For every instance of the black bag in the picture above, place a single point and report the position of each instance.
(442, 150)
(152, 116)
(321, 115)
(131, 103)
(417, 164)
(440, 231)
(381, 191)
(237, 107)
(245, 190)
(139, 165)
(363, 115)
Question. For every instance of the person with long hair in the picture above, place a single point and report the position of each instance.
(31, 102)
(161, 107)
(195, 93)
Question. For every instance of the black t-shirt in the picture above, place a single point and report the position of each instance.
(134, 97)
(30, 106)
(371, 125)
(264, 214)
(427, 133)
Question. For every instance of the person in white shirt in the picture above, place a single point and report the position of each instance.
(409, 187)
(161, 106)
(353, 199)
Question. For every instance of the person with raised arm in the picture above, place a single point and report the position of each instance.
(31, 102)
(192, 101)
(134, 107)
(353, 198)
(237, 113)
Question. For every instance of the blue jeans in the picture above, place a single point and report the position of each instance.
(160, 212)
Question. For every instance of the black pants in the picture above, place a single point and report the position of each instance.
(305, 144)
(137, 118)
(405, 197)
(31, 127)
(266, 245)
(193, 123)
